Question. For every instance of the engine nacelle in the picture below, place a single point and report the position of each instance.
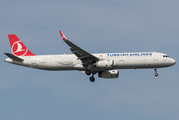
(109, 74)
(104, 63)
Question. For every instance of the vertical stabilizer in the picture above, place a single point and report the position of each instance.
(17, 47)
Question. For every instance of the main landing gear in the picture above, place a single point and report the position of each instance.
(156, 74)
(92, 79)
(88, 72)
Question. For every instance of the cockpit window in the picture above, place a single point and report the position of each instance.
(165, 56)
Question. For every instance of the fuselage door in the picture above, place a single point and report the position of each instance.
(155, 57)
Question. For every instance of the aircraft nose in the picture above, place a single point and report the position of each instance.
(173, 62)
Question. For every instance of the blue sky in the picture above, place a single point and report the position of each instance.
(96, 26)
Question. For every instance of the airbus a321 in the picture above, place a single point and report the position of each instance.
(104, 64)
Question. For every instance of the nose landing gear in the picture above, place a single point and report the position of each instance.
(156, 74)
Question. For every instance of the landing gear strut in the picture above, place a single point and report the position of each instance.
(156, 74)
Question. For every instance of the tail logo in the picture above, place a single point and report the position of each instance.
(19, 49)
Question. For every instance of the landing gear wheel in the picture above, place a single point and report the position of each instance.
(92, 79)
(156, 74)
(88, 72)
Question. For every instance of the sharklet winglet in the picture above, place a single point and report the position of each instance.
(63, 36)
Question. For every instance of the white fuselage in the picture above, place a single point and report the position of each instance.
(121, 61)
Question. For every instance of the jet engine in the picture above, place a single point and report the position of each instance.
(109, 74)
(104, 63)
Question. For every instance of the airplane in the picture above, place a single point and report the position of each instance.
(103, 64)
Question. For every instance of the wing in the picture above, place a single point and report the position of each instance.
(80, 53)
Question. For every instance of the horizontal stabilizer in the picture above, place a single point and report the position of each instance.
(13, 57)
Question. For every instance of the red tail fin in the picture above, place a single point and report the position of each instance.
(17, 47)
